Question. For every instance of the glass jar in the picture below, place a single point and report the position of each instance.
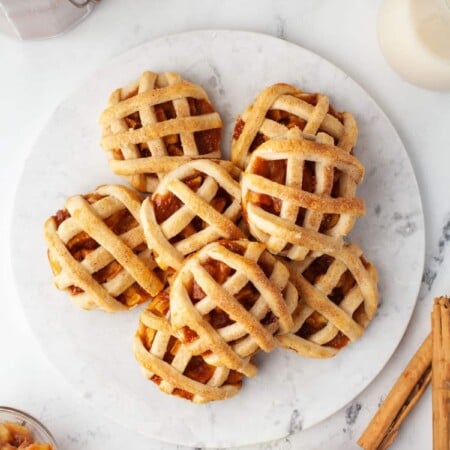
(37, 429)
(37, 19)
(414, 36)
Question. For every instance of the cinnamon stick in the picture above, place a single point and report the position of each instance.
(440, 322)
(402, 398)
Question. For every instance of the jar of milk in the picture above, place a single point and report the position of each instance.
(414, 36)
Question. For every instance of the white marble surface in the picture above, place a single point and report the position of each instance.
(93, 349)
(37, 76)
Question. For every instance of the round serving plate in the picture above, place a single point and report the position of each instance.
(93, 349)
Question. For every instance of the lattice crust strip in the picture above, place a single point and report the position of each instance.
(281, 107)
(338, 297)
(228, 300)
(170, 364)
(98, 266)
(298, 195)
(194, 205)
(156, 124)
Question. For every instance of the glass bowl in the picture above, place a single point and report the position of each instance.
(37, 429)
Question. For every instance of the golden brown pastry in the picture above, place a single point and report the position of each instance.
(170, 364)
(338, 297)
(195, 204)
(228, 300)
(157, 123)
(281, 107)
(98, 253)
(298, 195)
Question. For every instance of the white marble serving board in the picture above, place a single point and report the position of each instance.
(93, 349)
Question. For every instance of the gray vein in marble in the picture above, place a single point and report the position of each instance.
(284, 444)
(281, 24)
(408, 226)
(296, 422)
(443, 241)
(371, 172)
(351, 413)
(227, 115)
(429, 275)
(73, 439)
(431, 269)
(212, 81)
(217, 77)
(407, 229)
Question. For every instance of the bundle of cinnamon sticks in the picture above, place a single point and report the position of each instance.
(431, 362)
(440, 320)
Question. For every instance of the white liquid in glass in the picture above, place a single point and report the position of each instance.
(414, 36)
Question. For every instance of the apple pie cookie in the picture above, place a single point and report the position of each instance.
(157, 123)
(228, 300)
(195, 204)
(97, 250)
(338, 297)
(281, 107)
(170, 364)
(299, 195)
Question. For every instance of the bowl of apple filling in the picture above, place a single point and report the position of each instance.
(19, 430)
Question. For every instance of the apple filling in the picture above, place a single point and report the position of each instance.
(220, 272)
(15, 436)
(285, 118)
(316, 321)
(197, 369)
(82, 245)
(207, 141)
(167, 204)
(275, 170)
